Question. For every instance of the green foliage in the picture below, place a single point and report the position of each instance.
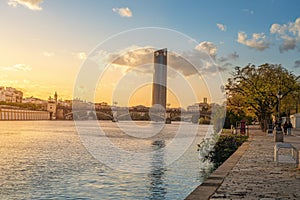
(218, 149)
(218, 117)
(206, 146)
(202, 120)
(253, 90)
(27, 106)
(236, 117)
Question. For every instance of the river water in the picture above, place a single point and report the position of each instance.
(48, 160)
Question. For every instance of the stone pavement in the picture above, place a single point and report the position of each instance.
(251, 173)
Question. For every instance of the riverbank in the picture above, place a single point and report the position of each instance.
(251, 173)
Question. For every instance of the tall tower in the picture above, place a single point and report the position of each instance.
(159, 89)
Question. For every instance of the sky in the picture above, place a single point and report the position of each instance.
(102, 50)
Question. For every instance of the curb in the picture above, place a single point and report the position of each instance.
(214, 181)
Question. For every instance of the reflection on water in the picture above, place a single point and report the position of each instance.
(47, 160)
(157, 173)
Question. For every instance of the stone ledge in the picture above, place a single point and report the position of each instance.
(214, 181)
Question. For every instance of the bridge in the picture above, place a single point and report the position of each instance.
(128, 114)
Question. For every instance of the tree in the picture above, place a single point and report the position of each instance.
(255, 89)
(218, 117)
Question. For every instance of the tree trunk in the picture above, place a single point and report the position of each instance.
(264, 122)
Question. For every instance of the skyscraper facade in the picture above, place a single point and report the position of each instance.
(159, 89)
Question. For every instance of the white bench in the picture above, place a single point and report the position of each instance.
(294, 151)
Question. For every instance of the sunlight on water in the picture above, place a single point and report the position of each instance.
(47, 160)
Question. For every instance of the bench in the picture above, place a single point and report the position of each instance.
(294, 151)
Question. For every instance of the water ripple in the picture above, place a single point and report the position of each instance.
(46, 160)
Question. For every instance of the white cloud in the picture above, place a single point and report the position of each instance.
(140, 60)
(81, 55)
(9, 82)
(289, 33)
(288, 44)
(123, 12)
(258, 41)
(132, 58)
(232, 56)
(48, 54)
(12, 4)
(30, 4)
(226, 65)
(16, 67)
(26, 81)
(222, 27)
(248, 11)
(208, 47)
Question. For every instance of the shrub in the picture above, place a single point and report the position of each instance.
(224, 147)
(204, 121)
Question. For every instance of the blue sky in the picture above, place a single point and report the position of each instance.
(51, 38)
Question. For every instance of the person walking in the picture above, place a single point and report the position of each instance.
(289, 128)
(285, 127)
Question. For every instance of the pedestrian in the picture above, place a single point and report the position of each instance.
(285, 127)
(289, 128)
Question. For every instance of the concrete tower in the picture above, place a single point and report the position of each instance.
(159, 89)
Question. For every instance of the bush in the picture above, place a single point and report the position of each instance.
(224, 147)
(204, 121)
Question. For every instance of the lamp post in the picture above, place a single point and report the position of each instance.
(279, 96)
(279, 133)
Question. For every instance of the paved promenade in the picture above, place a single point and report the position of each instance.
(251, 173)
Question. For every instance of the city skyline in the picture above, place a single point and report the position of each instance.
(45, 43)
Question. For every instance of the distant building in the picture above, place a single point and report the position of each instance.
(78, 104)
(40, 103)
(204, 106)
(64, 104)
(139, 108)
(295, 120)
(2, 94)
(52, 105)
(102, 106)
(34, 100)
(10, 94)
(193, 108)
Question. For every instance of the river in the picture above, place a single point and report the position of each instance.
(48, 160)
